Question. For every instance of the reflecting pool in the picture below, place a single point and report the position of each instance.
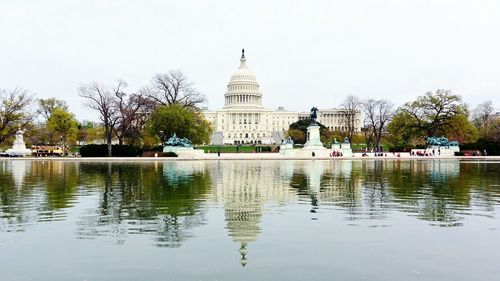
(250, 220)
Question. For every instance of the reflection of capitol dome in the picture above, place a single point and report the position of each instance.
(243, 88)
(243, 220)
(243, 223)
(243, 188)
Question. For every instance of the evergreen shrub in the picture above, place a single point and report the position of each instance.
(101, 150)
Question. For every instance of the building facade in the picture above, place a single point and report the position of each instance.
(244, 120)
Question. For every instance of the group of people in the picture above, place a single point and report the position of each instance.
(425, 153)
(380, 154)
(336, 154)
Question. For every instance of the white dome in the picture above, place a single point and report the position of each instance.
(243, 73)
(243, 90)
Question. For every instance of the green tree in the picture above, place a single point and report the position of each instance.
(39, 134)
(90, 132)
(297, 135)
(64, 123)
(47, 106)
(186, 123)
(403, 131)
(302, 125)
(434, 114)
(15, 112)
(339, 136)
(461, 129)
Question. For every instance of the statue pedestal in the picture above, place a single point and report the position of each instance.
(18, 147)
(184, 152)
(313, 143)
(313, 138)
(345, 149)
(445, 151)
(287, 150)
(336, 147)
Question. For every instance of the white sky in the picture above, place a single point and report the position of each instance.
(305, 53)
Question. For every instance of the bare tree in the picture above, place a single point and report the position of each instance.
(351, 109)
(103, 99)
(481, 117)
(132, 110)
(174, 88)
(377, 114)
(15, 112)
(368, 132)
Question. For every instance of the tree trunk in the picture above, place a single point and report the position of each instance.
(378, 136)
(64, 146)
(109, 136)
(109, 149)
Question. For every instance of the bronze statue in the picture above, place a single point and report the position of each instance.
(313, 115)
(441, 141)
(176, 141)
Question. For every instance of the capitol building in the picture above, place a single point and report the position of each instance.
(244, 120)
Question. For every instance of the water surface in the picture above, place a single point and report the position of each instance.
(250, 220)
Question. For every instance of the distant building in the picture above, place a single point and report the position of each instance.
(495, 116)
(244, 120)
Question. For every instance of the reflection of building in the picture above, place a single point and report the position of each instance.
(243, 119)
(243, 188)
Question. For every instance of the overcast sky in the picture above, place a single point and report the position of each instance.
(304, 53)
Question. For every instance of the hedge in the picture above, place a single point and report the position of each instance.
(492, 147)
(101, 150)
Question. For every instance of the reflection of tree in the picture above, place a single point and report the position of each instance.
(36, 191)
(485, 179)
(433, 190)
(338, 185)
(11, 214)
(60, 179)
(142, 198)
(437, 191)
(375, 188)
